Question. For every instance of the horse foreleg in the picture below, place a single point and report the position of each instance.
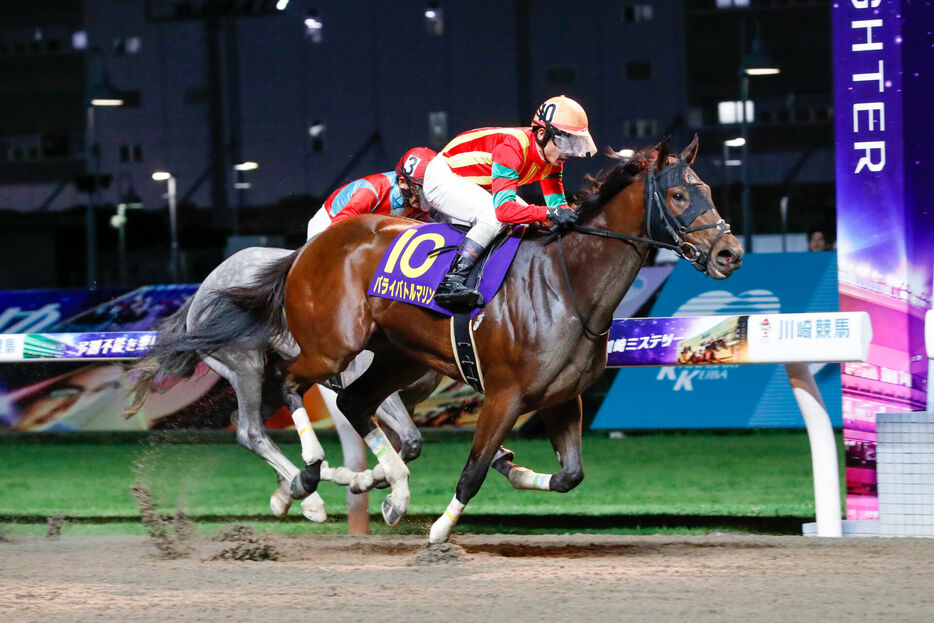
(498, 416)
(563, 427)
(389, 371)
(392, 412)
(353, 474)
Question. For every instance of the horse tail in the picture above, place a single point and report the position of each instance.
(247, 317)
(258, 308)
(162, 367)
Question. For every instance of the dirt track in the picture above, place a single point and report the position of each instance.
(482, 578)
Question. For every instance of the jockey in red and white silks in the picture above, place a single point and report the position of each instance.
(476, 178)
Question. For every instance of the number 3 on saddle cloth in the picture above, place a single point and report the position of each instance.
(416, 262)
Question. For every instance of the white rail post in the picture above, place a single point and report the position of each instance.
(823, 450)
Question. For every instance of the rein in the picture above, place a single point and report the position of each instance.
(658, 218)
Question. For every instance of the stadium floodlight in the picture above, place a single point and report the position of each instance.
(104, 93)
(434, 18)
(314, 27)
(758, 63)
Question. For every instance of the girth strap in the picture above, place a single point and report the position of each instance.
(465, 351)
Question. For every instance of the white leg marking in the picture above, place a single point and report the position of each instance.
(311, 447)
(441, 529)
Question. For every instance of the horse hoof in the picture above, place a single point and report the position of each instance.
(313, 508)
(279, 503)
(440, 530)
(502, 459)
(393, 514)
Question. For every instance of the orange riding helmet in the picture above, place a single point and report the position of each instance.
(565, 121)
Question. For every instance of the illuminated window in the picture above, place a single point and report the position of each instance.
(731, 112)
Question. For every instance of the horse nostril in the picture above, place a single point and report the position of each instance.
(725, 256)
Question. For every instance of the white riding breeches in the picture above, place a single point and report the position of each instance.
(461, 200)
(318, 223)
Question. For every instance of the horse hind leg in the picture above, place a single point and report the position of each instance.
(389, 371)
(392, 412)
(402, 434)
(243, 370)
(563, 427)
(301, 374)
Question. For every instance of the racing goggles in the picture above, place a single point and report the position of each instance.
(413, 190)
(576, 145)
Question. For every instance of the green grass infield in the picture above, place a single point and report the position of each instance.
(635, 483)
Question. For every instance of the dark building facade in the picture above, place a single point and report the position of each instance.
(319, 93)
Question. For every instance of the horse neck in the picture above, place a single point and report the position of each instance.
(603, 269)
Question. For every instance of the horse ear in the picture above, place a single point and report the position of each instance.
(664, 150)
(690, 152)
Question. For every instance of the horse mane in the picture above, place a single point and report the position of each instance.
(611, 181)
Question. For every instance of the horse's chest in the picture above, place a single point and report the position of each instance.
(579, 359)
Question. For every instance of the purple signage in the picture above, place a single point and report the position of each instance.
(677, 341)
(24, 311)
(45, 346)
(882, 86)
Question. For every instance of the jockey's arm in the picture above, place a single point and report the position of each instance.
(507, 161)
(552, 184)
(362, 201)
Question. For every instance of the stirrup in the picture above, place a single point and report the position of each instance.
(459, 295)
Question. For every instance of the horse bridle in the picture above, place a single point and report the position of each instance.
(665, 229)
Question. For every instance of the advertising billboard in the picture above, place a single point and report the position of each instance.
(716, 392)
(885, 222)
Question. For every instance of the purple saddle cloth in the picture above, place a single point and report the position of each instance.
(410, 270)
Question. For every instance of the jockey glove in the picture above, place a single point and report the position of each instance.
(562, 216)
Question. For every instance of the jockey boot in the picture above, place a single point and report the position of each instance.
(452, 293)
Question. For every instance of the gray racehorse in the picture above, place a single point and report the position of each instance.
(193, 334)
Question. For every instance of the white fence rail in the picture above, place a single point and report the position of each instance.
(795, 340)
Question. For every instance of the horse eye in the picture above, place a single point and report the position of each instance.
(678, 196)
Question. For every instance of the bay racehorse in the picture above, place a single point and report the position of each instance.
(201, 331)
(540, 341)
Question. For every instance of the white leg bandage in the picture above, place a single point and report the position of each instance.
(311, 447)
(522, 478)
(358, 482)
(441, 529)
(389, 460)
